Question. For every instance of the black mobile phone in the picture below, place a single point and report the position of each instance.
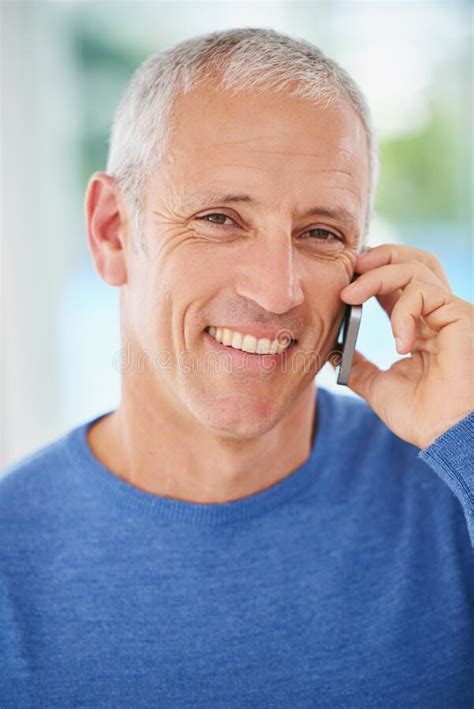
(349, 331)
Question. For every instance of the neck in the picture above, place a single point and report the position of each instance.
(161, 450)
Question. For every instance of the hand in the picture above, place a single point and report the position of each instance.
(422, 395)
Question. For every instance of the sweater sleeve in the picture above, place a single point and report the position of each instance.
(451, 456)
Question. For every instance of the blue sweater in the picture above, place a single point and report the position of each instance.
(350, 583)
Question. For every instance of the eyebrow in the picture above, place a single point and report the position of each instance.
(340, 214)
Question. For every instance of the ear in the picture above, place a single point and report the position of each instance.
(106, 221)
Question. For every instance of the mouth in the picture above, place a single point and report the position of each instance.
(249, 343)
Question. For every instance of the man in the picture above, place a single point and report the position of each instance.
(229, 537)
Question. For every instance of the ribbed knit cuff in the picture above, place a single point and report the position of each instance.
(451, 456)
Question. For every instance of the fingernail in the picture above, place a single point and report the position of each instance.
(399, 344)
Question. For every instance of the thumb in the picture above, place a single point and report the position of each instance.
(363, 376)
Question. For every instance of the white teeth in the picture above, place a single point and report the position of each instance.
(227, 337)
(237, 340)
(248, 343)
(263, 345)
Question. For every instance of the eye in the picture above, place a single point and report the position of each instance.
(323, 235)
(216, 218)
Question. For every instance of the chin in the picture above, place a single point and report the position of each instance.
(240, 417)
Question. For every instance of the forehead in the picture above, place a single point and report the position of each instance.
(269, 122)
(269, 142)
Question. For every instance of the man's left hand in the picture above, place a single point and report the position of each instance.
(422, 395)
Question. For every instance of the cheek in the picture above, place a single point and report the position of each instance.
(325, 281)
(183, 286)
(195, 273)
(326, 278)
(344, 267)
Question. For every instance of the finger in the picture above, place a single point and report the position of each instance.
(386, 254)
(422, 300)
(425, 344)
(363, 376)
(388, 301)
(387, 279)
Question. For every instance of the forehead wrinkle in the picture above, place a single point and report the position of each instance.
(291, 153)
(347, 153)
(269, 136)
(252, 140)
(301, 171)
(287, 153)
(254, 151)
(314, 170)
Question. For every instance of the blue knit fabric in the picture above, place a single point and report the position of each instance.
(350, 583)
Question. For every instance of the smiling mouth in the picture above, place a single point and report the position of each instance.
(249, 343)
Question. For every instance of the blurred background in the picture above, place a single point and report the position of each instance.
(65, 66)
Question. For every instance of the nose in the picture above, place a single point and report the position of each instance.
(269, 275)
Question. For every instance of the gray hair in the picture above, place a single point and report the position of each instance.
(242, 59)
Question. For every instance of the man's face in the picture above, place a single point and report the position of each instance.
(252, 223)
